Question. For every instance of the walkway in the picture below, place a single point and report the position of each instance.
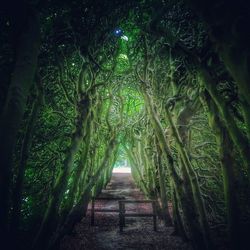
(138, 233)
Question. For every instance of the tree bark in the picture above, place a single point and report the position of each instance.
(12, 114)
(228, 24)
(163, 190)
(236, 134)
(26, 144)
(80, 169)
(228, 165)
(192, 184)
(51, 214)
(78, 211)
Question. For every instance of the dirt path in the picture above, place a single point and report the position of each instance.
(138, 233)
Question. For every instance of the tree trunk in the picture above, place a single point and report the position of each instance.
(229, 31)
(135, 167)
(191, 183)
(177, 217)
(199, 238)
(11, 117)
(236, 134)
(79, 210)
(80, 169)
(26, 144)
(163, 190)
(51, 214)
(228, 164)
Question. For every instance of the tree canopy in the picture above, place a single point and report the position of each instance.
(169, 91)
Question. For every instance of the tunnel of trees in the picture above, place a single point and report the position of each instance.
(166, 82)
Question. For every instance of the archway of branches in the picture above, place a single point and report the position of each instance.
(155, 83)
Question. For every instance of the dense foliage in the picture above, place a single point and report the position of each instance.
(172, 97)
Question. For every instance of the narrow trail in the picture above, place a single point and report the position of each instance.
(138, 233)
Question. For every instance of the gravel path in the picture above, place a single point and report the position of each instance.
(138, 233)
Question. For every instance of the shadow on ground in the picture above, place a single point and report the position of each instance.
(138, 233)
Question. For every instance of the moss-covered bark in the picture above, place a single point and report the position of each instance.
(163, 190)
(236, 133)
(79, 209)
(51, 214)
(191, 184)
(228, 165)
(25, 150)
(228, 24)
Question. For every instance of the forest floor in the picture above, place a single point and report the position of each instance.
(138, 233)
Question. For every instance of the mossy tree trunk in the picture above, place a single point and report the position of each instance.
(177, 216)
(159, 132)
(228, 164)
(187, 190)
(163, 190)
(78, 211)
(81, 167)
(228, 23)
(51, 214)
(235, 132)
(25, 150)
(191, 183)
(136, 170)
